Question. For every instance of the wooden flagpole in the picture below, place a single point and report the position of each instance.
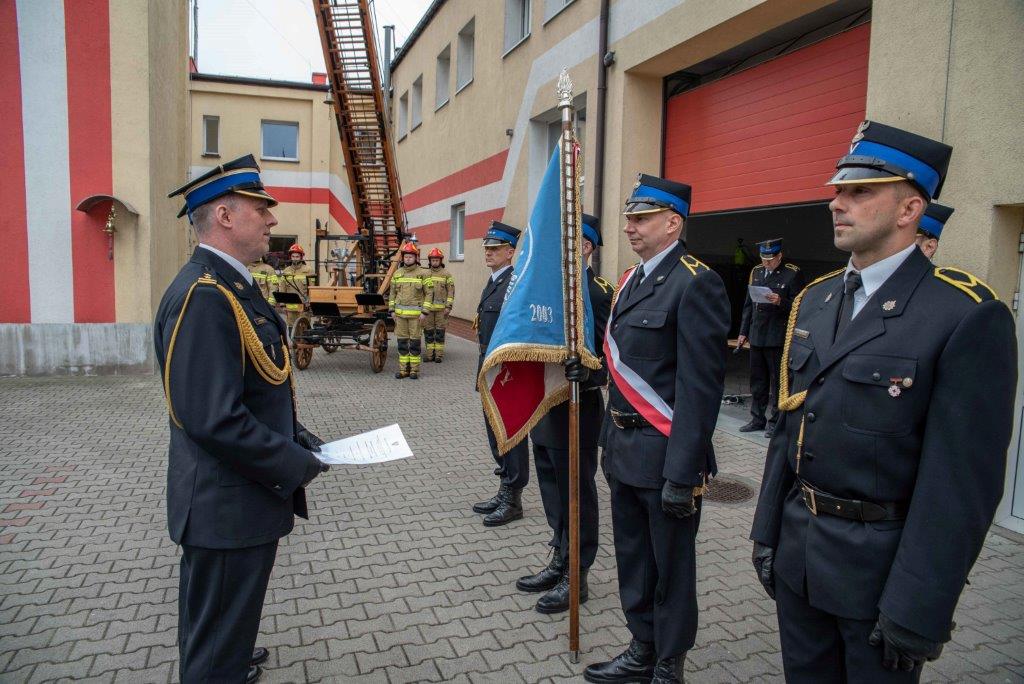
(572, 266)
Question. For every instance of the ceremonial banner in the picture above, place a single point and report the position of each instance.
(522, 375)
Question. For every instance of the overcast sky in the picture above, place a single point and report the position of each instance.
(278, 38)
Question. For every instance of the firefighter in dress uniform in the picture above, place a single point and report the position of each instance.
(897, 397)
(764, 324)
(932, 223)
(408, 297)
(238, 459)
(439, 307)
(666, 347)
(550, 440)
(514, 467)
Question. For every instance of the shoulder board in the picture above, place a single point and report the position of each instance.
(693, 264)
(206, 279)
(792, 267)
(603, 284)
(750, 280)
(825, 277)
(966, 282)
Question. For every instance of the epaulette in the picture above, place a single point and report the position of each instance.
(603, 284)
(693, 264)
(792, 267)
(750, 280)
(820, 279)
(966, 282)
(206, 279)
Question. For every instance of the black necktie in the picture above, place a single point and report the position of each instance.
(638, 275)
(853, 283)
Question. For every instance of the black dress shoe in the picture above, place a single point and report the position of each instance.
(545, 579)
(635, 664)
(510, 508)
(770, 430)
(753, 426)
(255, 672)
(490, 504)
(259, 656)
(557, 600)
(669, 670)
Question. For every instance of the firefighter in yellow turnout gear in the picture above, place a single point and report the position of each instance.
(439, 305)
(295, 278)
(410, 294)
(265, 278)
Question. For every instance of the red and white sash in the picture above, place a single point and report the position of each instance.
(634, 388)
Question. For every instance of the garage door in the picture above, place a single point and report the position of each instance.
(770, 135)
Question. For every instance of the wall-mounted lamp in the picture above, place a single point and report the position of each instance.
(110, 226)
(509, 132)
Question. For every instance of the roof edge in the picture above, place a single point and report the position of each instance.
(266, 82)
(416, 31)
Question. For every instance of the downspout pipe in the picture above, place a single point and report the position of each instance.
(603, 61)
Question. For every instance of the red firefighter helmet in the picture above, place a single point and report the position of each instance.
(297, 248)
(435, 253)
(410, 248)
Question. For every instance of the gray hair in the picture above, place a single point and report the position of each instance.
(204, 216)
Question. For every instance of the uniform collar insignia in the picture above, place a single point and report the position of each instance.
(889, 305)
(239, 286)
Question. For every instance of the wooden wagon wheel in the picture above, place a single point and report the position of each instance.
(379, 344)
(303, 354)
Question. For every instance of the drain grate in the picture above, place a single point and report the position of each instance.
(728, 490)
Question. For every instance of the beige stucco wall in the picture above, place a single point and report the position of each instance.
(954, 70)
(148, 49)
(242, 107)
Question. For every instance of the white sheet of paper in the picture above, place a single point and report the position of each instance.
(759, 294)
(376, 446)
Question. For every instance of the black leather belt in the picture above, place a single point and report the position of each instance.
(818, 502)
(628, 420)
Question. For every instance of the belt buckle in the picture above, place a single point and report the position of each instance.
(615, 420)
(809, 496)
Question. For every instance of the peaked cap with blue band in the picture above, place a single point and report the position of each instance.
(652, 194)
(592, 229)
(501, 234)
(240, 176)
(883, 154)
(770, 247)
(934, 219)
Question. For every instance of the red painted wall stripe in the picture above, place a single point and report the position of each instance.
(476, 227)
(335, 208)
(87, 40)
(770, 134)
(14, 304)
(481, 173)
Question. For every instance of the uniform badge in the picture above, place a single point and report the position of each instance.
(908, 382)
(894, 391)
(239, 286)
(889, 305)
(859, 135)
(660, 278)
(802, 334)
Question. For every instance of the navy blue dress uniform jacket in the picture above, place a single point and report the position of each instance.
(672, 331)
(553, 429)
(765, 324)
(947, 352)
(234, 470)
(491, 299)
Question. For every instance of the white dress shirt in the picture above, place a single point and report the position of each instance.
(497, 274)
(655, 260)
(875, 275)
(235, 263)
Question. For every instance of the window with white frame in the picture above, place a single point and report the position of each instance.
(280, 140)
(458, 232)
(403, 115)
(464, 56)
(442, 77)
(211, 136)
(416, 103)
(517, 22)
(553, 7)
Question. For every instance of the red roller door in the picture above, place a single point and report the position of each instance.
(771, 134)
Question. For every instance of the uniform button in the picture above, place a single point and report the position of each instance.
(809, 456)
(277, 487)
(811, 417)
(645, 321)
(876, 376)
(821, 380)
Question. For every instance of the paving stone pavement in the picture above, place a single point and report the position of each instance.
(394, 578)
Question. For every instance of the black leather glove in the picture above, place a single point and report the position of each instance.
(314, 468)
(306, 439)
(677, 500)
(901, 648)
(763, 559)
(575, 371)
